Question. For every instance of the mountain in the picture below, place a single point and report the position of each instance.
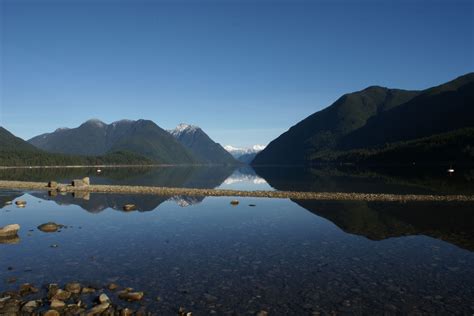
(372, 118)
(9, 142)
(201, 145)
(244, 155)
(94, 137)
(14, 151)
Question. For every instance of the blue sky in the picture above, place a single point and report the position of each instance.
(245, 71)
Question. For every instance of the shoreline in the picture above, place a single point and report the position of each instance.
(165, 191)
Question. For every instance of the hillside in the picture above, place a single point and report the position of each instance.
(201, 145)
(14, 151)
(372, 119)
(94, 137)
(324, 129)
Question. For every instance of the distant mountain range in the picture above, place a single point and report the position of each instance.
(201, 145)
(94, 137)
(384, 125)
(244, 155)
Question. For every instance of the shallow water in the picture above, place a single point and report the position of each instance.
(281, 256)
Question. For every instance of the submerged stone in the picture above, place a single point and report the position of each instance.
(129, 207)
(49, 227)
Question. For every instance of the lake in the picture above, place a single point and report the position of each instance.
(281, 256)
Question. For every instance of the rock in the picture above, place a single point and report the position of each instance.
(78, 183)
(262, 313)
(52, 290)
(86, 180)
(129, 207)
(252, 205)
(20, 203)
(52, 184)
(126, 312)
(103, 298)
(49, 227)
(27, 288)
(61, 295)
(9, 230)
(234, 202)
(8, 203)
(98, 309)
(61, 188)
(30, 306)
(87, 290)
(73, 287)
(112, 286)
(57, 304)
(51, 312)
(131, 296)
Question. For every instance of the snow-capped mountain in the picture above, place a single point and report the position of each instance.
(239, 151)
(201, 145)
(244, 155)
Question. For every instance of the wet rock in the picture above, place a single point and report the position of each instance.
(49, 227)
(252, 205)
(129, 207)
(27, 288)
(30, 306)
(126, 312)
(262, 313)
(51, 312)
(20, 203)
(9, 230)
(98, 309)
(87, 290)
(57, 304)
(131, 296)
(103, 298)
(62, 295)
(73, 287)
(234, 202)
(8, 203)
(52, 290)
(112, 286)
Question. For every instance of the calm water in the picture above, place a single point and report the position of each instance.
(281, 256)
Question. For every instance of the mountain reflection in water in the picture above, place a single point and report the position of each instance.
(451, 222)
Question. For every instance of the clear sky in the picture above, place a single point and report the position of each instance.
(245, 71)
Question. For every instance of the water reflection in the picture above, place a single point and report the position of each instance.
(451, 222)
(408, 180)
(396, 180)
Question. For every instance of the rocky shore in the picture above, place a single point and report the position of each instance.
(74, 299)
(165, 191)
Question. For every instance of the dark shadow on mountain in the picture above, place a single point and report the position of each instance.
(395, 180)
(451, 222)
